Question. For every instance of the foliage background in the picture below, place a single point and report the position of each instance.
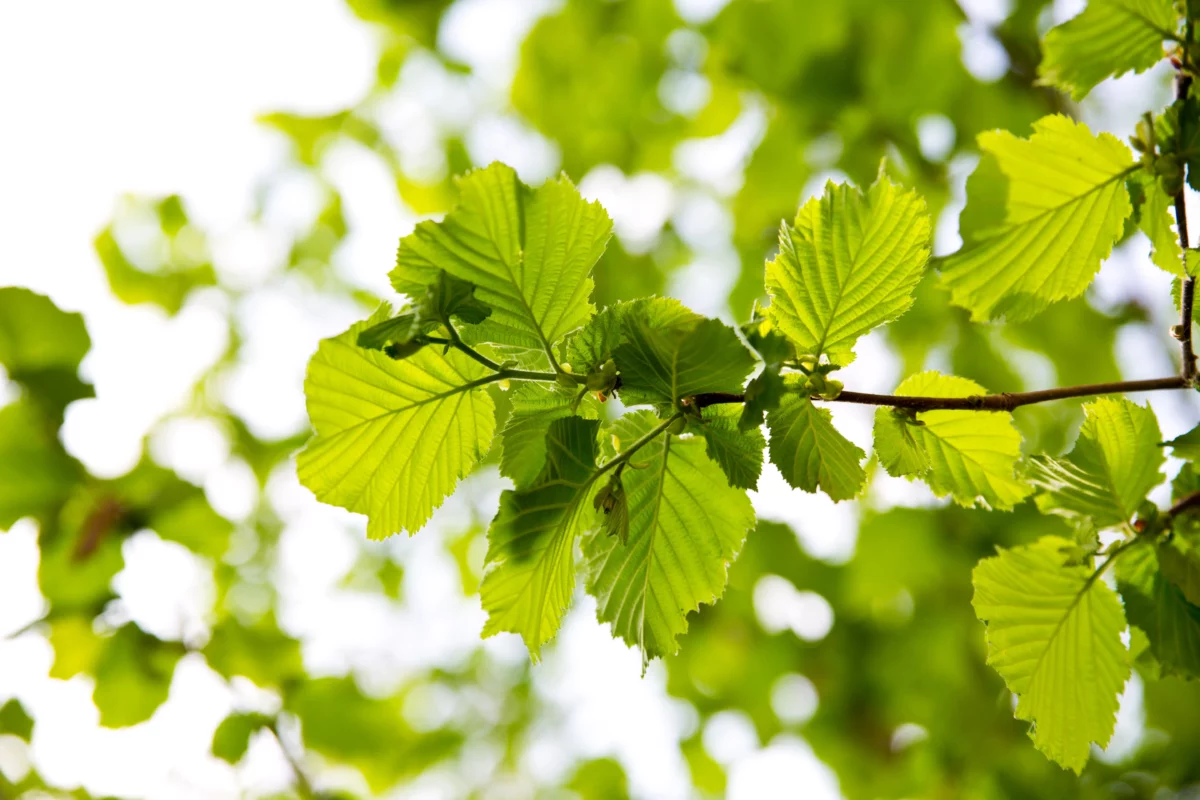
(208, 252)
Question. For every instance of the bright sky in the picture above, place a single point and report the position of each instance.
(142, 96)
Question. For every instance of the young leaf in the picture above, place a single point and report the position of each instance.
(810, 452)
(529, 569)
(1064, 207)
(595, 342)
(534, 407)
(1054, 635)
(972, 455)
(685, 526)
(1110, 38)
(1155, 218)
(393, 437)
(1158, 607)
(1187, 445)
(849, 264)
(1114, 465)
(529, 253)
(899, 449)
(446, 298)
(670, 353)
(739, 453)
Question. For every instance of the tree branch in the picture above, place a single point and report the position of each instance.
(980, 402)
(1186, 503)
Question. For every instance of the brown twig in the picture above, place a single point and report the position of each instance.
(980, 402)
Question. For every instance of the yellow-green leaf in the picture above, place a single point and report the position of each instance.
(1042, 213)
(393, 437)
(849, 264)
(1054, 635)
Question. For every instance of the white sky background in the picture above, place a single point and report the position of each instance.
(151, 97)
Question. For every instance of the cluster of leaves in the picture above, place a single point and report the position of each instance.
(499, 294)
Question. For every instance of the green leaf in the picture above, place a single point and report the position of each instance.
(534, 407)
(810, 452)
(341, 723)
(133, 676)
(686, 525)
(595, 342)
(529, 253)
(1179, 562)
(766, 389)
(36, 335)
(849, 264)
(1155, 217)
(259, 651)
(165, 284)
(1158, 607)
(1054, 635)
(1114, 465)
(529, 568)
(670, 353)
(897, 443)
(1110, 38)
(446, 298)
(15, 721)
(41, 347)
(393, 437)
(972, 455)
(1064, 207)
(35, 474)
(231, 739)
(739, 453)
(1187, 445)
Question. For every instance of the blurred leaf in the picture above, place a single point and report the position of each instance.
(259, 651)
(35, 474)
(15, 721)
(340, 722)
(133, 676)
(165, 284)
(231, 739)
(600, 779)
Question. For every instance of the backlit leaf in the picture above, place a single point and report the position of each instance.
(1054, 635)
(1063, 207)
(393, 437)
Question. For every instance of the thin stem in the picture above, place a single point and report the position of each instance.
(526, 375)
(502, 372)
(1112, 556)
(980, 402)
(1187, 292)
(641, 442)
(304, 786)
(457, 343)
